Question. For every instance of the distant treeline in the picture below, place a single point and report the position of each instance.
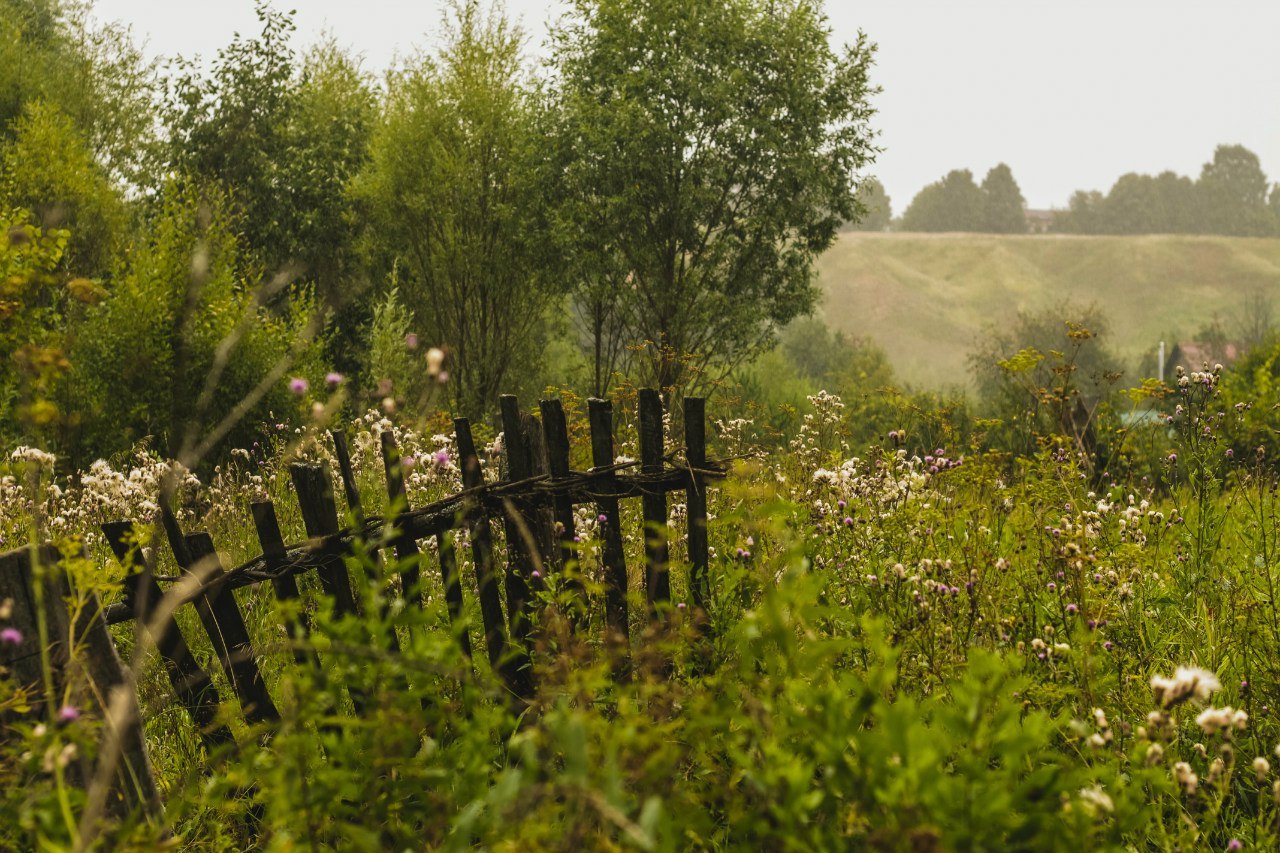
(1232, 197)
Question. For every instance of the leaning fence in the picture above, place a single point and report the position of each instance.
(533, 498)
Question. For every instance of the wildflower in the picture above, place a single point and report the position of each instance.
(298, 385)
(389, 405)
(411, 341)
(1188, 683)
(11, 637)
(442, 458)
(6, 608)
(1186, 777)
(536, 574)
(68, 714)
(435, 360)
(333, 380)
(602, 518)
(1261, 768)
(1096, 800)
(1214, 720)
(1235, 844)
(443, 377)
(680, 605)
(1155, 753)
(1071, 608)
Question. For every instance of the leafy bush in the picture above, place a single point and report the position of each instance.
(185, 341)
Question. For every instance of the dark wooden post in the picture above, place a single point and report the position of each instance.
(522, 544)
(225, 626)
(33, 586)
(320, 517)
(695, 442)
(657, 580)
(506, 663)
(612, 557)
(190, 682)
(348, 475)
(314, 487)
(285, 584)
(556, 437)
(540, 514)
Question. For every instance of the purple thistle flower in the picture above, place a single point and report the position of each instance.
(68, 714)
(11, 637)
(1108, 645)
(442, 458)
(848, 522)
(536, 574)
(602, 518)
(411, 341)
(680, 605)
(334, 379)
(298, 385)
(1235, 844)
(1071, 608)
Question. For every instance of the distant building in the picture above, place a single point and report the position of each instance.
(1194, 355)
(1040, 221)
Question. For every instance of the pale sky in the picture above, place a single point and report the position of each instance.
(1070, 93)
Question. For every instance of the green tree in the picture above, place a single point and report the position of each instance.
(708, 151)
(1003, 204)
(184, 349)
(1083, 215)
(50, 170)
(878, 210)
(282, 138)
(1233, 193)
(54, 52)
(955, 203)
(453, 198)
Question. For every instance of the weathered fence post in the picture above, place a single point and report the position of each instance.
(320, 517)
(695, 443)
(522, 544)
(507, 662)
(314, 488)
(556, 435)
(34, 590)
(284, 583)
(657, 555)
(612, 558)
(224, 624)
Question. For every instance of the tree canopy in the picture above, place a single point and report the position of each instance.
(708, 154)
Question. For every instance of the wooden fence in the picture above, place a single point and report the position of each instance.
(534, 500)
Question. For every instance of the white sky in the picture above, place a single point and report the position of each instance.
(1070, 93)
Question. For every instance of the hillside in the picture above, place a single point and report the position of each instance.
(924, 298)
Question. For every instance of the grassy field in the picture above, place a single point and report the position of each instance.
(924, 298)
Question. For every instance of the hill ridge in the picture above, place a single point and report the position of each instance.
(925, 298)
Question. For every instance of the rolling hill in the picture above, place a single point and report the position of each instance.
(925, 298)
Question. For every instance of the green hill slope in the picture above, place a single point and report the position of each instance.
(925, 298)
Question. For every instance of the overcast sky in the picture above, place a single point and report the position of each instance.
(1070, 93)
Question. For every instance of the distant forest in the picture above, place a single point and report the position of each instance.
(1231, 197)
